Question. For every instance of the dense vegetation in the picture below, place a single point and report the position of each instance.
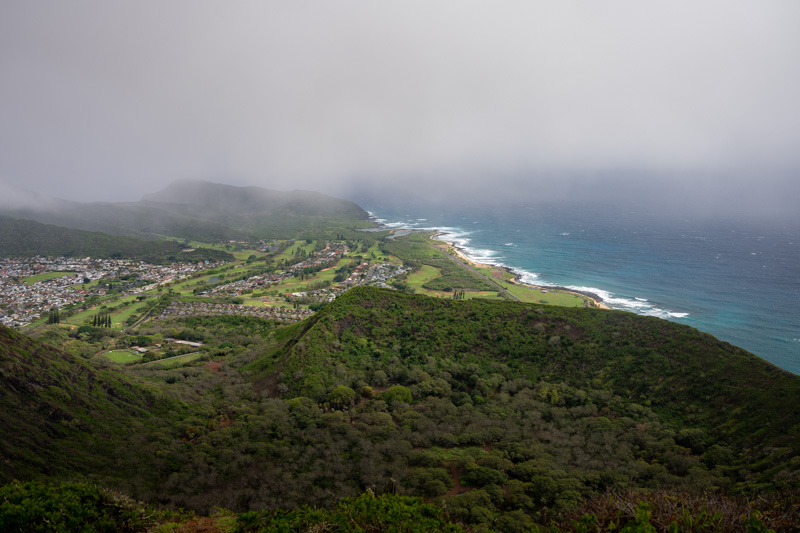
(61, 415)
(507, 415)
(29, 238)
(33, 506)
(452, 276)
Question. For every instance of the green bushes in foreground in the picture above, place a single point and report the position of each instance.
(66, 506)
(365, 513)
(35, 506)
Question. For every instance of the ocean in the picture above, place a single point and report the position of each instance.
(739, 281)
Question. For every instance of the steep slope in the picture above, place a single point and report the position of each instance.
(509, 413)
(28, 238)
(59, 414)
(720, 400)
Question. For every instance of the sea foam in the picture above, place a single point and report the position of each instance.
(461, 239)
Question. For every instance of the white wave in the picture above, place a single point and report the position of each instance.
(527, 277)
(422, 219)
(482, 256)
(461, 239)
(640, 306)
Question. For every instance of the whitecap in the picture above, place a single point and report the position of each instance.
(525, 276)
(640, 306)
(509, 244)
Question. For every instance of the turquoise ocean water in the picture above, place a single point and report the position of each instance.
(737, 281)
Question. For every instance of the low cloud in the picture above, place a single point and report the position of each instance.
(110, 101)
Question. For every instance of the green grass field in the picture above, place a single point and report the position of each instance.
(178, 361)
(242, 255)
(30, 280)
(122, 356)
(379, 256)
(288, 254)
(528, 294)
(118, 316)
(422, 276)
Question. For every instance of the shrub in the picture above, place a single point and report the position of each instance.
(35, 506)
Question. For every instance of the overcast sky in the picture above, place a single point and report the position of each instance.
(111, 100)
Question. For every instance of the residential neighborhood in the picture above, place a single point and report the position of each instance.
(22, 303)
(30, 287)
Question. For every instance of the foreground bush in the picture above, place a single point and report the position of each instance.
(365, 513)
(34, 506)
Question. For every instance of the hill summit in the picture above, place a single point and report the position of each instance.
(251, 199)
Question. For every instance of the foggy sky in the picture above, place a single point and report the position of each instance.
(110, 100)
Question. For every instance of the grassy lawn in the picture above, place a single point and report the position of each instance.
(422, 276)
(179, 360)
(255, 303)
(122, 356)
(497, 274)
(244, 254)
(82, 317)
(528, 294)
(288, 253)
(469, 295)
(122, 314)
(379, 256)
(30, 280)
(118, 316)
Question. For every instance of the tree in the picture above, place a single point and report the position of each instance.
(397, 394)
(341, 397)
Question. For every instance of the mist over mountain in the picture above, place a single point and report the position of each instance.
(232, 199)
(191, 210)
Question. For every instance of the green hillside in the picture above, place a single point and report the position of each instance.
(60, 415)
(264, 213)
(506, 415)
(29, 238)
(203, 211)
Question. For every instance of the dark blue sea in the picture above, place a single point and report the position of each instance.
(739, 281)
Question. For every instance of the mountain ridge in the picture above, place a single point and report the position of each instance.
(197, 210)
(29, 238)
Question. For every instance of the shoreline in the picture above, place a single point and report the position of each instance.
(595, 299)
(461, 253)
